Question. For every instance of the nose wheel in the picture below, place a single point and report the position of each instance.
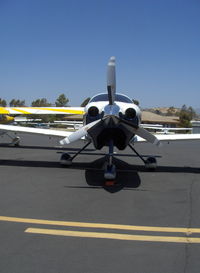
(110, 169)
(110, 172)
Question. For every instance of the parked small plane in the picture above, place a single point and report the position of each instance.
(165, 130)
(5, 119)
(111, 119)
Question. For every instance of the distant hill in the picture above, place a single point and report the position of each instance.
(169, 111)
(150, 117)
(164, 111)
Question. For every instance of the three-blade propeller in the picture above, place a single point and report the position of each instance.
(111, 88)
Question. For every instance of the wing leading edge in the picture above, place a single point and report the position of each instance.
(36, 131)
(41, 110)
(174, 137)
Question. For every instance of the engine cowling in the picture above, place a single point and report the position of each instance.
(93, 111)
(132, 114)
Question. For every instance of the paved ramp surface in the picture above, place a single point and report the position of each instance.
(57, 220)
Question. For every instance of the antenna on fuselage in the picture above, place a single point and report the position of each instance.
(111, 81)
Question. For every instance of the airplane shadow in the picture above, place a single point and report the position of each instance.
(60, 148)
(127, 174)
(97, 165)
(125, 178)
(70, 151)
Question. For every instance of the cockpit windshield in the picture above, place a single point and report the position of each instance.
(104, 97)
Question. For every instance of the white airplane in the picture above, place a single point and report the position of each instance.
(111, 119)
(165, 130)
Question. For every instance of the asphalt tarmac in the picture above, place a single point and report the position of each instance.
(149, 222)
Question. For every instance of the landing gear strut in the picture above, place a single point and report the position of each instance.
(110, 169)
(15, 140)
(66, 159)
(150, 162)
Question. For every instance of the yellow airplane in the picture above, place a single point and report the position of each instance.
(41, 110)
(5, 119)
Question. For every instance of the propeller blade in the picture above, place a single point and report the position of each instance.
(147, 136)
(78, 134)
(141, 132)
(111, 80)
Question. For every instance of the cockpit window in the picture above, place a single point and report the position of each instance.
(104, 97)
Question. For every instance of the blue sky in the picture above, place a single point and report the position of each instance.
(49, 47)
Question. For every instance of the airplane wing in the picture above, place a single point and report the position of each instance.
(165, 128)
(41, 110)
(73, 136)
(174, 137)
(37, 131)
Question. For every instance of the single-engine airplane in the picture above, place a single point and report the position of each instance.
(5, 119)
(111, 119)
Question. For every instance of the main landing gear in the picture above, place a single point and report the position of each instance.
(66, 159)
(150, 163)
(15, 141)
(109, 167)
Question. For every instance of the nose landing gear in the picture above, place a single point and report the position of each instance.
(110, 169)
(110, 172)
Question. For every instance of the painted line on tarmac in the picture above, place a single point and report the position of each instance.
(187, 231)
(114, 236)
